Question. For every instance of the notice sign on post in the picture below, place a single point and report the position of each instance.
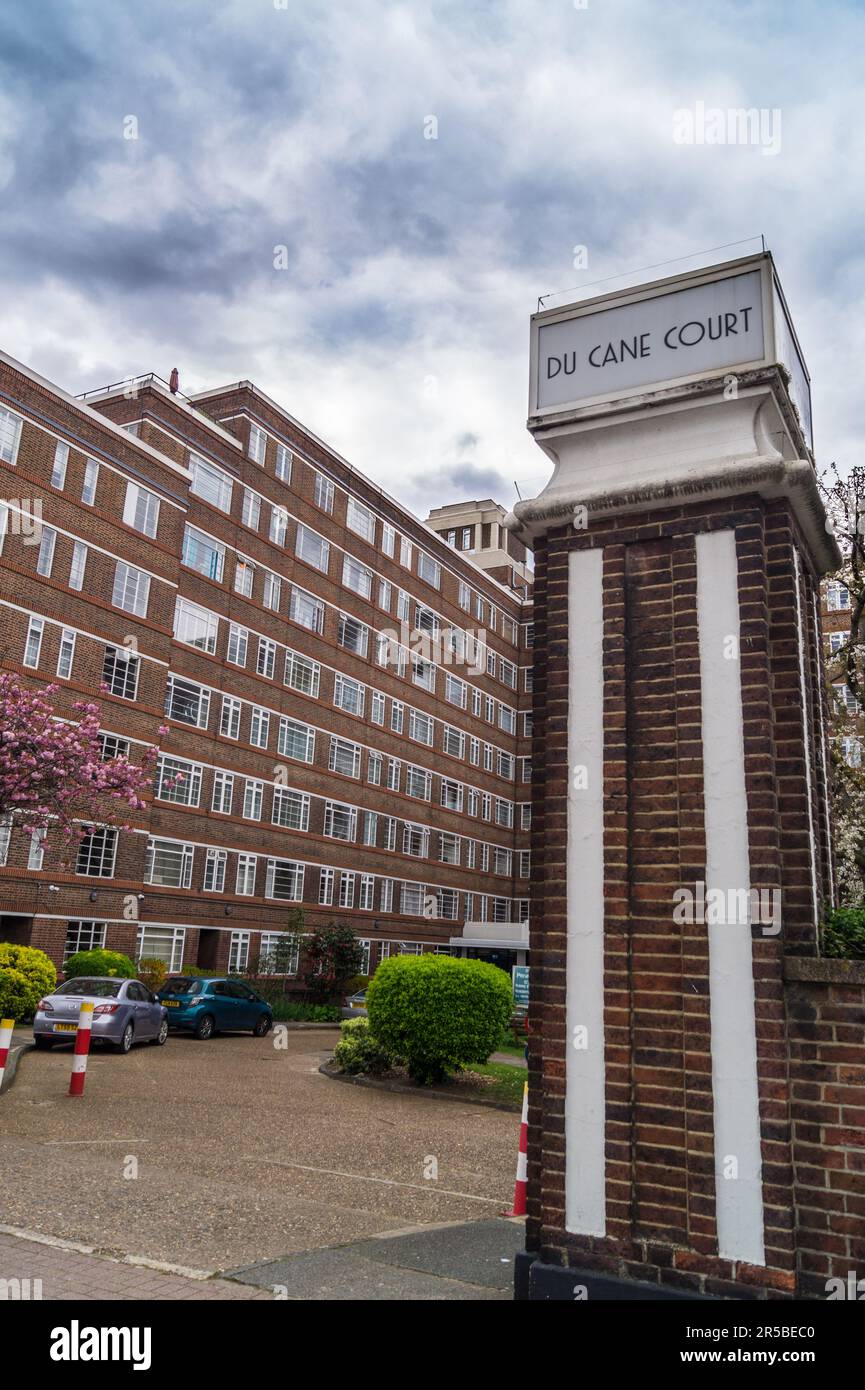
(521, 985)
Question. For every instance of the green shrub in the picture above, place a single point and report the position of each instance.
(438, 1013)
(25, 975)
(99, 962)
(844, 933)
(286, 1010)
(152, 972)
(358, 1051)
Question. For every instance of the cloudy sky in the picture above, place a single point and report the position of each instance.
(395, 323)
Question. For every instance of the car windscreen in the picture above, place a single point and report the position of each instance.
(100, 989)
(181, 986)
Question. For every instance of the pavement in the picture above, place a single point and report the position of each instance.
(237, 1155)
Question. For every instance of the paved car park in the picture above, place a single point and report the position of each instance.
(220, 1155)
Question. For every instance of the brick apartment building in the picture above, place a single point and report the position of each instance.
(346, 689)
(835, 606)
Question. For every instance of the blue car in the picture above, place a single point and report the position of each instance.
(204, 1006)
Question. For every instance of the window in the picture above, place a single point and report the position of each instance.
(420, 727)
(454, 741)
(187, 702)
(265, 661)
(504, 764)
(394, 774)
(528, 725)
(501, 860)
(851, 750)
(83, 936)
(91, 478)
(452, 795)
(353, 635)
(202, 553)
(349, 695)
(476, 702)
(504, 812)
(385, 591)
(290, 809)
(529, 678)
(253, 793)
(373, 769)
(527, 769)
(215, 861)
(415, 840)
(283, 463)
(10, 434)
(244, 883)
(257, 445)
(448, 900)
(238, 643)
(196, 627)
(344, 757)
(325, 887)
(425, 620)
(423, 673)
(376, 708)
(370, 828)
(141, 509)
(296, 740)
(844, 697)
(455, 691)
(33, 646)
(474, 801)
(78, 565)
(120, 672)
(508, 673)
(169, 863)
(836, 641)
(530, 634)
(223, 792)
(479, 608)
(412, 899)
(526, 816)
(397, 713)
(47, 542)
(244, 577)
(360, 520)
(36, 851)
(449, 849)
(110, 746)
(356, 576)
(312, 548)
(837, 596)
(323, 492)
(405, 552)
(340, 821)
(475, 751)
(96, 852)
(418, 782)
(259, 727)
(302, 674)
(403, 605)
(131, 589)
(525, 863)
(429, 569)
(509, 630)
(278, 525)
(284, 880)
(367, 894)
(177, 780)
(346, 890)
(386, 905)
(210, 483)
(306, 610)
(229, 717)
(162, 943)
(388, 539)
(238, 952)
(251, 511)
(507, 719)
(465, 597)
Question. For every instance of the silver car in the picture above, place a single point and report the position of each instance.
(125, 1012)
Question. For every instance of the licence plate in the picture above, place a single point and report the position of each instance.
(171, 1003)
(66, 1028)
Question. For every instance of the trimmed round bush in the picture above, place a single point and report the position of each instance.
(358, 1051)
(152, 972)
(98, 963)
(437, 1013)
(26, 973)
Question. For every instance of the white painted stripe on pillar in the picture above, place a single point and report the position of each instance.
(738, 1161)
(585, 1106)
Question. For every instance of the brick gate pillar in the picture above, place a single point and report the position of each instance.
(680, 836)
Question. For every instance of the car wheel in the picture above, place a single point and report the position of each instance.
(42, 1043)
(162, 1035)
(204, 1028)
(125, 1043)
(263, 1026)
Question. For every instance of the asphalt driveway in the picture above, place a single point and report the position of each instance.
(217, 1155)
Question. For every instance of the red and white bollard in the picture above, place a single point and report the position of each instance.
(6, 1027)
(82, 1047)
(519, 1207)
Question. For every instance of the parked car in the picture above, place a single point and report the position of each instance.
(125, 1012)
(355, 1005)
(204, 1006)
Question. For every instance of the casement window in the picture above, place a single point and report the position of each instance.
(78, 566)
(353, 635)
(473, 801)
(530, 635)
(504, 764)
(526, 815)
(302, 674)
(423, 673)
(210, 483)
(420, 727)
(131, 589)
(356, 576)
(388, 539)
(346, 890)
(837, 596)
(529, 682)
(283, 463)
(394, 774)
(418, 783)
(476, 702)
(389, 653)
(485, 858)
(405, 552)
(259, 727)
(455, 644)
(489, 709)
(475, 752)
(325, 887)
(244, 577)
(403, 605)
(412, 899)
(385, 593)
(448, 901)
(494, 613)
(223, 792)
(195, 627)
(284, 880)
(360, 520)
(91, 479)
(349, 695)
(525, 863)
(507, 719)
(290, 809)
(508, 673)
(278, 953)
(425, 620)
(340, 821)
(429, 570)
(465, 597)
(479, 608)
(501, 860)
(486, 806)
(312, 548)
(528, 725)
(238, 952)
(253, 795)
(215, 861)
(187, 702)
(851, 750)
(491, 663)
(844, 697)
(390, 831)
(504, 812)
(162, 943)
(366, 901)
(509, 630)
(111, 746)
(141, 509)
(278, 525)
(45, 559)
(451, 538)
(250, 513)
(452, 795)
(83, 936)
(33, 645)
(370, 828)
(36, 850)
(323, 492)
(453, 741)
(373, 769)
(120, 672)
(296, 740)
(238, 644)
(244, 883)
(455, 691)
(177, 780)
(257, 447)
(344, 757)
(836, 642)
(471, 854)
(415, 840)
(522, 906)
(376, 708)
(265, 661)
(527, 769)
(397, 716)
(449, 849)
(202, 553)
(96, 852)
(386, 905)
(306, 610)
(10, 435)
